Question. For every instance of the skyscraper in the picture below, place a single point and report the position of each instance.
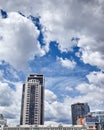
(32, 106)
(79, 110)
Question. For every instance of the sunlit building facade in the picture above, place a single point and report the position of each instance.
(32, 106)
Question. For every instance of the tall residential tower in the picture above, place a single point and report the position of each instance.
(79, 110)
(32, 106)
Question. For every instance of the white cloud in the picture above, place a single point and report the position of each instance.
(85, 88)
(63, 20)
(96, 78)
(10, 101)
(70, 64)
(12, 112)
(50, 96)
(61, 111)
(92, 51)
(57, 111)
(5, 95)
(68, 88)
(93, 91)
(89, 92)
(19, 43)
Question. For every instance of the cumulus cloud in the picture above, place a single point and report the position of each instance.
(12, 112)
(92, 92)
(66, 19)
(50, 96)
(70, 64)
(57, 112)
(91, 51)
(5, 95)
(60, 112)
(19, 40)
(68, 88)
(96, 78)
(10, 101)
(61, 21)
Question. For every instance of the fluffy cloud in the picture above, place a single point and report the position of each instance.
(70, 64)
(10, 101)
(61, 22)
(66, 19)
(68, 88)
(91, 51)
(61, 111)
(57, 111)
(5, 95)
(92, 92)
(96, 78)
(12, 112)
(50, 96)
(19, 40)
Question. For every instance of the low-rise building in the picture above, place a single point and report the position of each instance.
(100, 116)
(92, 121)
(46, 127)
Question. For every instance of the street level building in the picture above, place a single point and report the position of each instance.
(32, 106)
(79, 110)
(90, 122)
(100, 117)
(46, 127)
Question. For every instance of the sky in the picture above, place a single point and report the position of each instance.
(62, 39)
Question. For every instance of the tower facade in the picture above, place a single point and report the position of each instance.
(32, 106)
(79, 110)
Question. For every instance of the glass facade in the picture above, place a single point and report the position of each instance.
(100, 117)
(79, 110)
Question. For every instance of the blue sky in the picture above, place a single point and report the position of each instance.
(62, 40)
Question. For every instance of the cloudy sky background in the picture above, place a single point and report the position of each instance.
(64, 40)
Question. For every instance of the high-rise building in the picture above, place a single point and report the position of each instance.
(3, 121)
(79, 110)
(32, 106)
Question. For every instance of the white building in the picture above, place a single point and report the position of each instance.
(32, 107)
(46, 127)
